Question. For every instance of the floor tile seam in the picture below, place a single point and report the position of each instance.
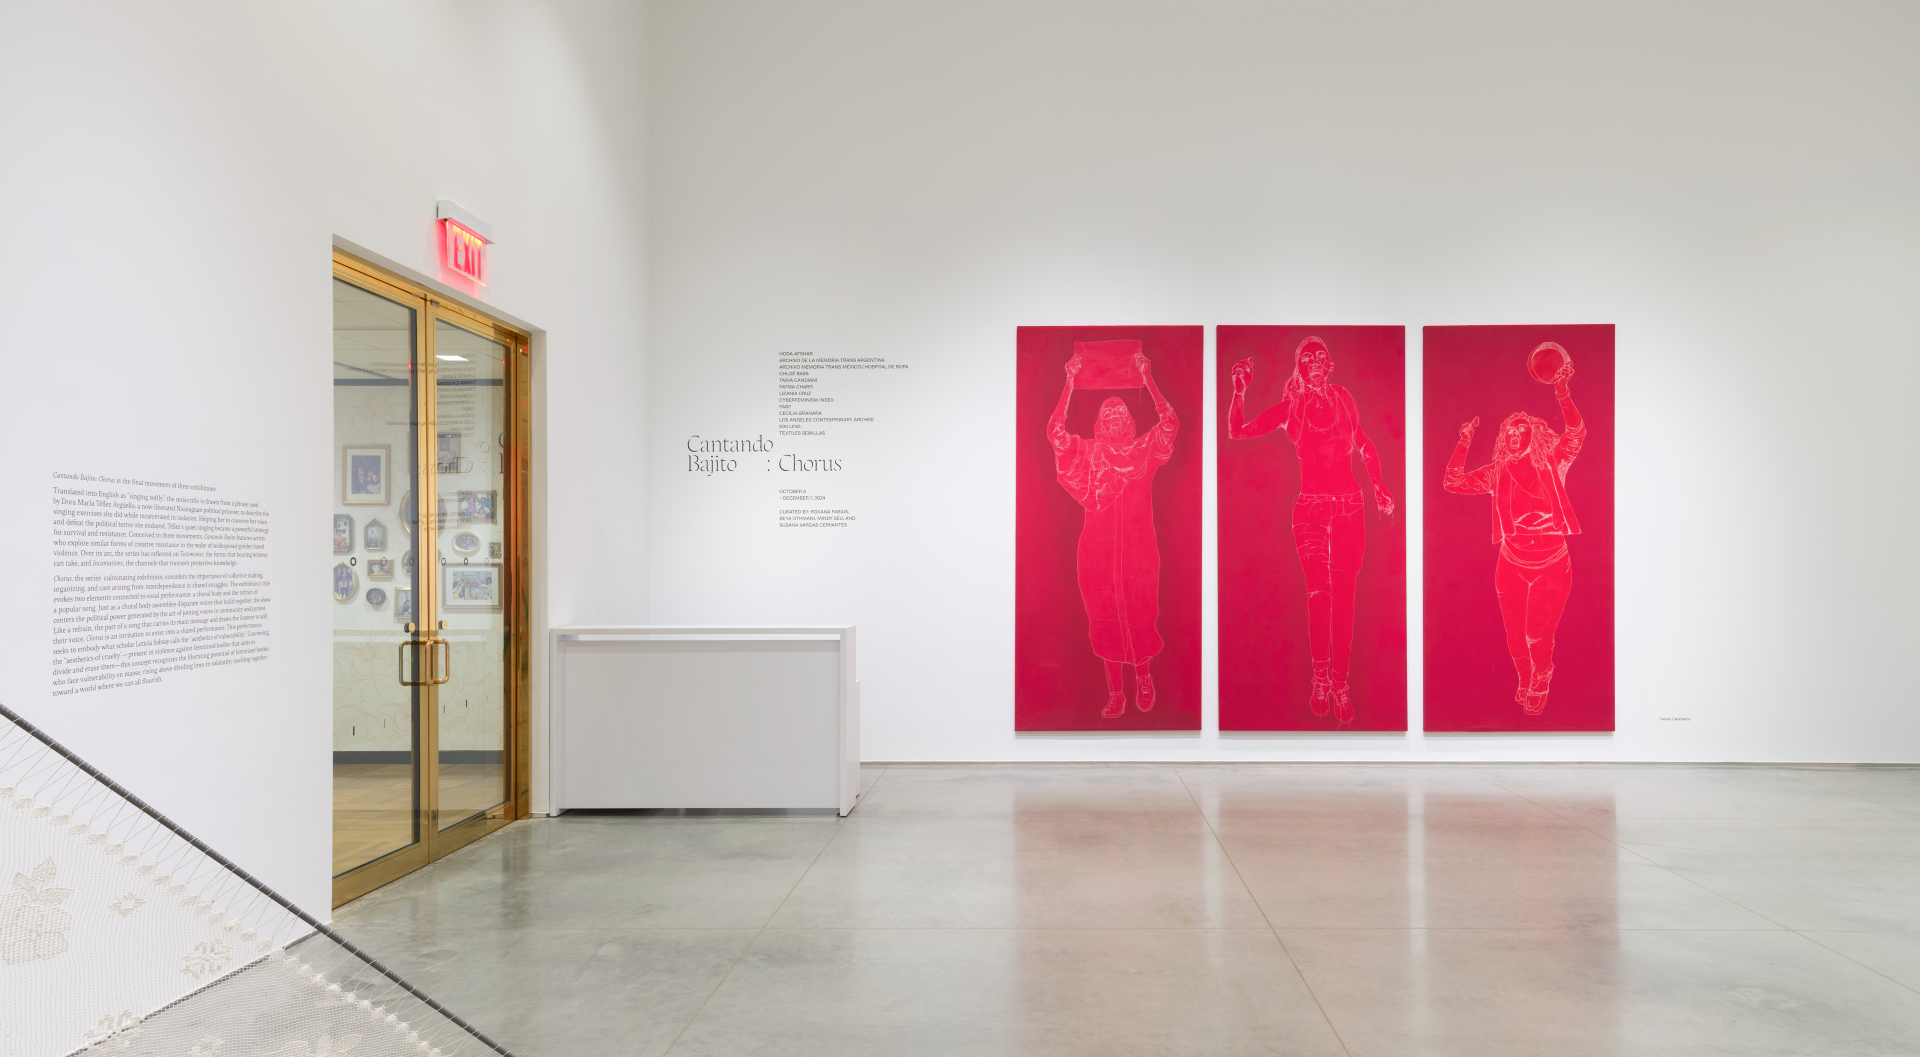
(1269, 928)
(1017, 928)
(738, 958)
(862, 797)
(1836, 789)
(1291, 960)
(1682, 873)
(1033, 816)
(1645, 858)
(1903, 820)
(1520, 928)
(1906, 814)
(559, 928)
(1760, 818)
(1650, 860)
(1445, 816)
(1012, 764)
(1864, 932)
(1439, 819)
(1856, 961)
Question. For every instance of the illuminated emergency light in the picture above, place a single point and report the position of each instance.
(466, 252)
(463, 242)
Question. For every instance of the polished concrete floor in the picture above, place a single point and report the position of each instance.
(1390, 910)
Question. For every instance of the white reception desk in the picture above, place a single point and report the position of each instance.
(654, 716)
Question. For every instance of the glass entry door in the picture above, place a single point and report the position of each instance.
(470, 442)
(377, 798)
(430, 427)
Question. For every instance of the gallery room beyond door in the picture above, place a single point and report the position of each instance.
(429, 490)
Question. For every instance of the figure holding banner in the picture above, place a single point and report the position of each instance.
(1118, 558)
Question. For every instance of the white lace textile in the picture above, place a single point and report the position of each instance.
(121, 934)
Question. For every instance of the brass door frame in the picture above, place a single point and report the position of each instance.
(429, 307)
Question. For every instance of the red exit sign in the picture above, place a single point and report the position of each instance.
(463, 251)
(463, 242)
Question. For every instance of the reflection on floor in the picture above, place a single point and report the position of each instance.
(373, 805)
(1383, 910)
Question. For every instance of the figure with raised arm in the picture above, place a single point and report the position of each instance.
(1111, 476)
(1329, 532)
(1532, 519)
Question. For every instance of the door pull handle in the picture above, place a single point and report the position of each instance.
(415, 644)
(441, 662)
(445, 667)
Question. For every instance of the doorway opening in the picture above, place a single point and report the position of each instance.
(431, 413)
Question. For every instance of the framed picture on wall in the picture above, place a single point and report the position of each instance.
(376, 597)
(466, 543)
(379, 568)
(364, 474)
(375, 538)
(407, 514)
(474, 506)
(496, 550)
(346, 583)
(343, 533)
(447, 453)
(403, 605)
(470, 586)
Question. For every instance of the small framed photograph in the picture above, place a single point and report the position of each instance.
(376, 597)
(408, 515)
(466, 543)
(346, 583)
(446, 458)
(403, 605)
(379, 568)
(495, 550)
(343, 533)
(364, 474)
(470, 586)
(473, 506)
(406, 566)
(375, 537)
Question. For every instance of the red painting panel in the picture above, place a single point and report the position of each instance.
(1107, 541)
(1518, 465)
(1313, 542)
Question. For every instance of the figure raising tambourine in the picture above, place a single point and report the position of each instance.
(1532, 519)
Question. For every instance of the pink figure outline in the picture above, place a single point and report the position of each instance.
(1118, 557)
(1532, 519)
(1329, 527)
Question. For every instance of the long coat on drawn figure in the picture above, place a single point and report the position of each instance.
(1110, 475)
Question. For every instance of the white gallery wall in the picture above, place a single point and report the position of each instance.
(683, 190)
(1729, 183)
(175, 178)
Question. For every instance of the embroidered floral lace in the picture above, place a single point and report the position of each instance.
(120, 934)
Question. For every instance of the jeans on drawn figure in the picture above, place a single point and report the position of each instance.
(1532, 597)
(1331, 538)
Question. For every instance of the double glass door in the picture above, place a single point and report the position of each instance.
(429, 658)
